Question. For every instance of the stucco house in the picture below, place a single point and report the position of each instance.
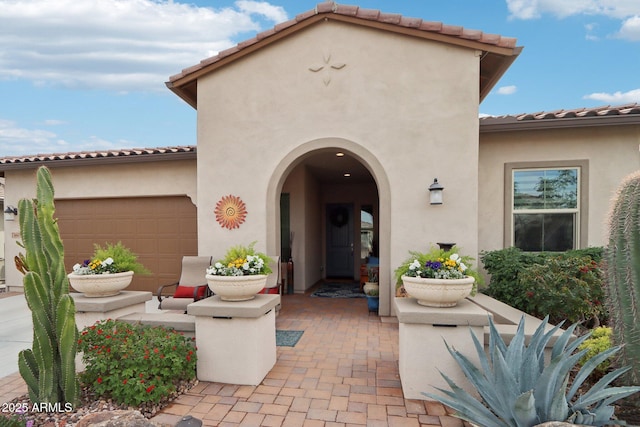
(323, 136)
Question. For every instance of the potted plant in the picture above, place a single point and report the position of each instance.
(372, 281)
(240, 275)
(107, 272)
(437, 278)
(373, 300)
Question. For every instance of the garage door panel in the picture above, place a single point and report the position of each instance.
(159, 229)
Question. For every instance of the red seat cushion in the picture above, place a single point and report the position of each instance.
(187, 292)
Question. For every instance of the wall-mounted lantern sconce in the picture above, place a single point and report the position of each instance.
(435, 192)
(10, 213)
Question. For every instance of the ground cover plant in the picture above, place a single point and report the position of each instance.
(599, 341)
(135, 364)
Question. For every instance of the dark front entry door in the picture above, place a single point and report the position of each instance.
(340, 241)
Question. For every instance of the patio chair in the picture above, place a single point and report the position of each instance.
(191, 287)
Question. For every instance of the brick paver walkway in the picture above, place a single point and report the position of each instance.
(342, 372)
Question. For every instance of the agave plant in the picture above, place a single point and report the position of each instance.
(519, 388)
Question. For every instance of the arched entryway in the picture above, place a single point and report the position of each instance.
(311, 178)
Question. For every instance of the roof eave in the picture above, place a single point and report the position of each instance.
(185, 83)
(186, 95)
(505, 63)
(69, 161)
(513, 125)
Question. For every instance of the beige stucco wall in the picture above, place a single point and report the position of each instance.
(408, 105)
(305, 205)
(612, 153)
(117, 180)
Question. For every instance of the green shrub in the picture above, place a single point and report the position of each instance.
(599, 341)
(133, 364)
(123, 258)
(504, 266)
(565, 285)
(565, 288)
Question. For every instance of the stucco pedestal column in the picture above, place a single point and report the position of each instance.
(423, 354)
(90, 310)
(236, 340)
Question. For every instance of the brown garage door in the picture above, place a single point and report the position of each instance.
(159, 229)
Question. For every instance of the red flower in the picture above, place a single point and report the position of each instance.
(150, 388)
(124, 381)
(99, 380)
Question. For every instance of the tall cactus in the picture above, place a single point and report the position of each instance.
(49, 367)
(623, 273)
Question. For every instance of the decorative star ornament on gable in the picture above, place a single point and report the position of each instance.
(230, 212)
(326, 68)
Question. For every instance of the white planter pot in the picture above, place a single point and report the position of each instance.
(438, 292)
(370, 286)
(100, 285)
(236, 288)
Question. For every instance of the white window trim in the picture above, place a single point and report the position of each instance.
(581, 211)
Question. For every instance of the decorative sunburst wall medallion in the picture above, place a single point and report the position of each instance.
(230, 212)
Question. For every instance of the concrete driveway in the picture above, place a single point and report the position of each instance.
(16, 331)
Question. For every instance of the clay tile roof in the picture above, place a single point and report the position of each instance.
(621, 114)
(80, 158)
(503, 49)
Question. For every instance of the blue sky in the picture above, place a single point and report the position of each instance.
(89, 75)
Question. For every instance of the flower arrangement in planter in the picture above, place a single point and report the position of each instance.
(240, 275)
(438, 278)
(110, 269)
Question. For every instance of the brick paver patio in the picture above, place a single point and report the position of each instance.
(342, 372)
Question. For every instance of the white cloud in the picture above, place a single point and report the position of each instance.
(272, 13)
(507, 90)
(627, 11)
(616, 97)
(122, 45)
(630, 29)
(14, 139)
(20, 141)
(531, 9)
(54, 122)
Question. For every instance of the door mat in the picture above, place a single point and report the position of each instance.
(287, 338)
(339, 290)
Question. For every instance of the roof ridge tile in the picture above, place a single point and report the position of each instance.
(97, 154)
(331, 7)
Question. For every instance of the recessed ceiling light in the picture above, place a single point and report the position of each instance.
(339, 154)
(347, 174)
